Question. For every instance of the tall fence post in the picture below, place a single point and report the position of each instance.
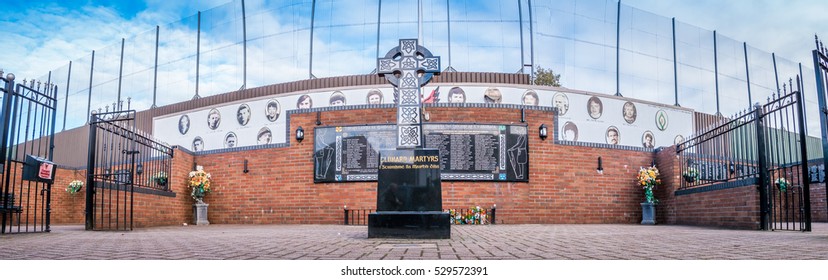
(198, 55)
(764, 184)
(803, 147)
(346, 215)
(675, 64)
(747, 75)
(716, 71)
(89, 98)
(155, 69)
(66, 100)
(820, 69)
(90, 180)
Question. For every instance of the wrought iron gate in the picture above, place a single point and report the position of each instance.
(28, 126)
(764, 146)
(821, 73)
(121, 161)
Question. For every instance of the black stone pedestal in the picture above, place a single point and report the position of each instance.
(408, 224)
(409, 197)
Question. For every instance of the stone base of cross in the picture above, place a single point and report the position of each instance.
(409, 67)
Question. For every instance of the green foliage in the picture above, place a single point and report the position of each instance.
(547, 77)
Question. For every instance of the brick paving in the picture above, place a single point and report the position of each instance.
(490, 242)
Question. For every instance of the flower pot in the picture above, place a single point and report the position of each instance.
(648, 213)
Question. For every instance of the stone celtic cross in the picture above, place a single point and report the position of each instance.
(402, 67)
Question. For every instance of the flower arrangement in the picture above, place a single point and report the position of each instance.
(199, 184)
(471, 216)
(782, 184)
(691, 175)
(648, 179)
(160, 178)
(74, 187)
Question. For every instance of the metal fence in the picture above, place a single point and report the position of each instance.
(765, 146)
(470, 216)
(600, 46)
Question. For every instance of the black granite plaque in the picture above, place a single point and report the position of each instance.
(409, 180)
(409, 197)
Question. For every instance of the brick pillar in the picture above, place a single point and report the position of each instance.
(667, 163)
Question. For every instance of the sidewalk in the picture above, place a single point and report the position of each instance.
(468, 242)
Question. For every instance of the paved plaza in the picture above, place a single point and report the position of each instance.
(468, 242)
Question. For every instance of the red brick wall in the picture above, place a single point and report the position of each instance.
(819, 212)
(730, 208)
(564, 187)
(149, 209)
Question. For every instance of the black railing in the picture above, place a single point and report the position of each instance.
(473, 216)
(764, 146)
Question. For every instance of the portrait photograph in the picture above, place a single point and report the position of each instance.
(530, 97)
(456, 95)
(648, 140)
(374, 96)
(629, 112)
(337, 99)
(570, 132)
(230, 140)
(304, 102)
(492, 95)
(613, 135)
(595, 107)
(243, 114)
(198, 144)
(273, 110)
(264, 136)
(213, 119)
(184, 124)
(678, 140)
(561, 101)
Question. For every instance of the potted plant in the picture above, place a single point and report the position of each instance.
(199, 184)
(74, 187)
(782, 184)
(160, 178)
(648, 179)
(691, 175)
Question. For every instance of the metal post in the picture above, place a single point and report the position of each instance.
(804, 109)
(66, 100)
(675, 64)
(346, 216)
(716, 71)
(51, 155)
(819, 74)
(747, 74)
(121, 71)
(520, 26)
(244, 45)
(379, 19)
(90, 171)
(764, 183)
(776, 74)
(803, 147)
(4, 139)
(155, 69)
(618, 50)
(198, 55)
(89, 100)
(448, 28)
(310, 60)
(494, 215)
(531, 44)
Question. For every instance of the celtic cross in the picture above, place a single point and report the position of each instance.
(409, 67)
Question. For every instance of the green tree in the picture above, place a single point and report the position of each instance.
(547, 77)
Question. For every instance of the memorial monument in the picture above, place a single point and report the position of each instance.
(409, 197)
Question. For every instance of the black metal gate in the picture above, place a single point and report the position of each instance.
(821, 73)
(765, 146)
(121, 162)
(28, 126)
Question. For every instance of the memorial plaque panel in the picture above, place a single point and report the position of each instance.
(468, 152)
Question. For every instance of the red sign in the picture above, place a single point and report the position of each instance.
(46, 171)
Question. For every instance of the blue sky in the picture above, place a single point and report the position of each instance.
(50, 33)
